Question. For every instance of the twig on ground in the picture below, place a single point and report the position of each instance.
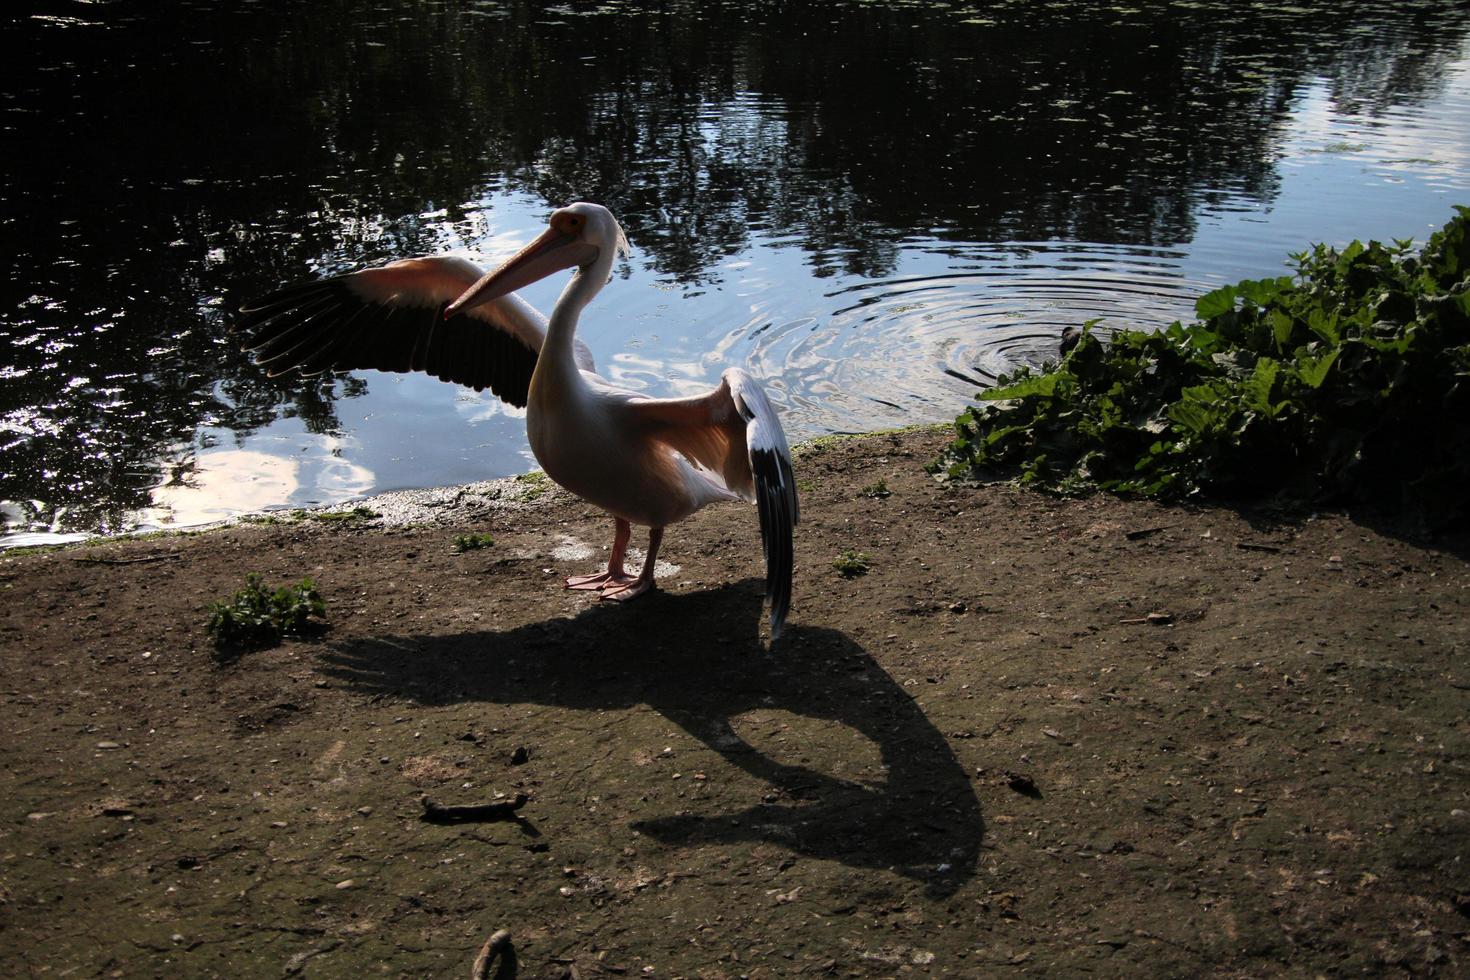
(473, 813)
(97, 560)
(1153, 619)
(496, 947)
(294, 964)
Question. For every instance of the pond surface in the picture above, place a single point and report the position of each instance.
(875, 207)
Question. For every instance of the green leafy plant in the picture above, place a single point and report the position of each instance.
(1348, 381)
(851, 564)
(472, 542)
(257, 616)
(877, 490)
(533, 484)
(358, 513)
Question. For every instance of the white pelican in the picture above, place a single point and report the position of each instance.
(646, 461)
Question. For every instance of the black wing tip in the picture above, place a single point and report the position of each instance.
(775, 501)
(778, 623)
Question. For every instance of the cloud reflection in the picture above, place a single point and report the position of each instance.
(225, 483)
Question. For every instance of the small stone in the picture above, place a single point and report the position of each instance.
(108, 745)
(346, 883)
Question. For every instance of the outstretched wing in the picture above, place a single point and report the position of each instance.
(391, 319)
(734, 432)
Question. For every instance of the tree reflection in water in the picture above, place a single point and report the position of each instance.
(167, 159)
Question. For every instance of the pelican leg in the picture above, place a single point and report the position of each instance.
(644, 582)
(615, 576)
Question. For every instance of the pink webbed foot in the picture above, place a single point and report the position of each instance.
(615, 584)
(601, 581)
(632, 590)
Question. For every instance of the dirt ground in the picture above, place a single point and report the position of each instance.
(985, 756)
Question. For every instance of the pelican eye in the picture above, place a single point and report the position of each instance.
(567, 224)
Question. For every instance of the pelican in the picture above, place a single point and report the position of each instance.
(646, 461)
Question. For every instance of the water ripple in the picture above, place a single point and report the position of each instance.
(917, 347)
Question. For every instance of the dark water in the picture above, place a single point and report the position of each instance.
(875, 206)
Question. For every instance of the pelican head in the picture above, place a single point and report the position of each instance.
(583, 235)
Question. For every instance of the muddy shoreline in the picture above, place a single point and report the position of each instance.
(1039, 736)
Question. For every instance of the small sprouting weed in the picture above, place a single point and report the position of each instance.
(851, 564)
(472, 542)
(533, 484)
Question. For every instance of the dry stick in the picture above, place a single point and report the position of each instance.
(473, 813)
(1153, 619)
(496, 947)
(121, 561)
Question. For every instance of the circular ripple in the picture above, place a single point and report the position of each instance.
(916, 348)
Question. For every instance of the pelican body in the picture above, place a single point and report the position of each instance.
(646, 461)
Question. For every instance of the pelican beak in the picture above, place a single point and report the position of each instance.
(553, 251)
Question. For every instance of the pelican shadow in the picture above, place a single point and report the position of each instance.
(698, 660)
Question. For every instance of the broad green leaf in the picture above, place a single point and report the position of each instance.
(1313, 370)
(1257, 388)
(1216, 302)
(1199, 411)
(1262, 291)
(1348, 255)
(1324, 324)
(1281, 327)
(1042, 384)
